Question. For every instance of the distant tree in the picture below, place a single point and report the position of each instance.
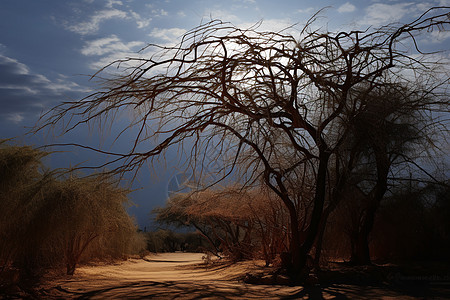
(222, 217)
(386, 133)
(262, 104)
(240, 223)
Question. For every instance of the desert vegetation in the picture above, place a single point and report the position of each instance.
(236, 224)
(409, 225)
(306, 147)
(52, 219)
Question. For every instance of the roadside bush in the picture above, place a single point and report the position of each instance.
(411, 224)
(86, 212)
(22, 185)
(48, 220)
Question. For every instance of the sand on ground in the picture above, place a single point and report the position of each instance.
(164, 276)
(183, 276)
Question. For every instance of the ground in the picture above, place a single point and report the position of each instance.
(185, 276)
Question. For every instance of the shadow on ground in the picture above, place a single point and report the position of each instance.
(172, 276)
(235, 290)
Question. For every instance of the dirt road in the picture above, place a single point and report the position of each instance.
(179, 276)
(163, 276)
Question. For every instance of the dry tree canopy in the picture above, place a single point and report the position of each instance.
(265, 100)
(228, 203)
(239, 223)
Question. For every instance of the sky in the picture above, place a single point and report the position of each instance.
(49, 49)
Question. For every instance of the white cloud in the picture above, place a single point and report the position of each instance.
(181, 14)
(107, 60)
(140, 21)
(24, 94)
(170, 34)
(15, 117)
(63, 85)
(159, 13)
(307, 10)
(110, 45)
(17, 68)
(438, 36)
(109, 49)
(100, 46)
(93, 24)
(111, 3)
(221, 15)
(383, 14)
(423, 6)
(346, 7)
(274, 25)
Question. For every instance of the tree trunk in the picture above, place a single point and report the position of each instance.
(360, 247)
(300, 252)
(319, 241)
(360, 243)
(336, 198)
(296, 264)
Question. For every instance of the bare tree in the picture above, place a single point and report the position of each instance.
(263, 104)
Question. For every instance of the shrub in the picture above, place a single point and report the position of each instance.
(50, 220)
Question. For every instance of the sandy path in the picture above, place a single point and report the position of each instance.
(178, 276)
(164, 276)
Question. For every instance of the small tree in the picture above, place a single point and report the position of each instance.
(266, 102)
(222, 217)
(241, 224)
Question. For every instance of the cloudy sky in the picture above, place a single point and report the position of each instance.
(48, 48)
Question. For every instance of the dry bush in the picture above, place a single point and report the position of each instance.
(49, 221)
(22, 182)
(411, 224)
(88, 217)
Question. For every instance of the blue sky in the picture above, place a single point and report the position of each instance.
(48, 49)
